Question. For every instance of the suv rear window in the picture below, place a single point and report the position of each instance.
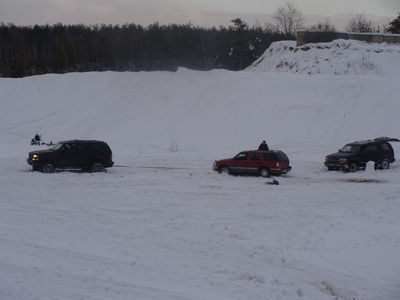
(385, 146)
(254, 156)
(275, 156)
(94, 147)
(281, 156)
(98, 147)
(270, 156)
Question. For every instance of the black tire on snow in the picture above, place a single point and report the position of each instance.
(264, 172)
(353, 167)
(385, 164)
(97, 167)
(48, 168)
(224, 170)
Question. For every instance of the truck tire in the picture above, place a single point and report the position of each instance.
(224, 170)
(264, 172)
(385, 164)
(97, 167)
(48, 168)
(353, 167)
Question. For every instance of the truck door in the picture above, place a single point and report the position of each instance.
(254, 162)
(370, 153)
(240, 163)
(68, 156)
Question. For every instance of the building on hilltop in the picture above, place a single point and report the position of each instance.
(309, 36)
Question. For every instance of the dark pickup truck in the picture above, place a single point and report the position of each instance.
(355, 156)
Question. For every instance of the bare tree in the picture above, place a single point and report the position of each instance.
(359, 23)
(288, 18)
(323, 26)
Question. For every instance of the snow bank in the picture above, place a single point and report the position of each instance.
(339, 57)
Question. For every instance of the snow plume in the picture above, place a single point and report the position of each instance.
(340, 57)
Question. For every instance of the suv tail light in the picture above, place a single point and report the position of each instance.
(110, 157)
(278, 165)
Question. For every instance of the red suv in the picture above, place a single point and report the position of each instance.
(263, 163)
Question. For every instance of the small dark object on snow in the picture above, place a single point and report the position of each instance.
(274, 182)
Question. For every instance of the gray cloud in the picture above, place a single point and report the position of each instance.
(24, 12)
(391, 4)
(198, 12)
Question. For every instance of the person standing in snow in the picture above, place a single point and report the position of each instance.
(263, 146)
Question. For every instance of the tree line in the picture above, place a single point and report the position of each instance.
(33, 50)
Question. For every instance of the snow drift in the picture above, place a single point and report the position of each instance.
(339, 57)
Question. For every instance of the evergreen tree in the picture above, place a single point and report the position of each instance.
(394, 26)
(27, 50)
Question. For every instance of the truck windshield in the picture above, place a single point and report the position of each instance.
(56, 147)
(351, 149)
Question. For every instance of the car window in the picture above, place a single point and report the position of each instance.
(98, 147)
(69, 147)
(56, 147)
(281, 156)
(84, 148)
(385, 147)
(254, 156)
(241, 156)
(351, 149)
(371, 149)
(269, 156)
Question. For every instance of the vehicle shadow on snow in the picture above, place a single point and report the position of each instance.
(64, 171)
(360, 180)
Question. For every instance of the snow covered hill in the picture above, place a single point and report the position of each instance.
(189, 111)
(340, 57)
(162, 225)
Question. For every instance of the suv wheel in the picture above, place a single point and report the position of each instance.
(224, 170)
(48, 168)
(353, 167)
(264, 172)
(97, 167)
(384, 164)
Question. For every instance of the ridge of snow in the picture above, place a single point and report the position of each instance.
(339, 57)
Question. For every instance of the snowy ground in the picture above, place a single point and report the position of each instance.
(162, 225)
(170, 228)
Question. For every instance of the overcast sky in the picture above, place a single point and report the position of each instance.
(198, 12)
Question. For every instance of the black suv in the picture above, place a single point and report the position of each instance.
(91, 156)
(354, 156)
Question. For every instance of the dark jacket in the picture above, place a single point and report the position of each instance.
(263, 147)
